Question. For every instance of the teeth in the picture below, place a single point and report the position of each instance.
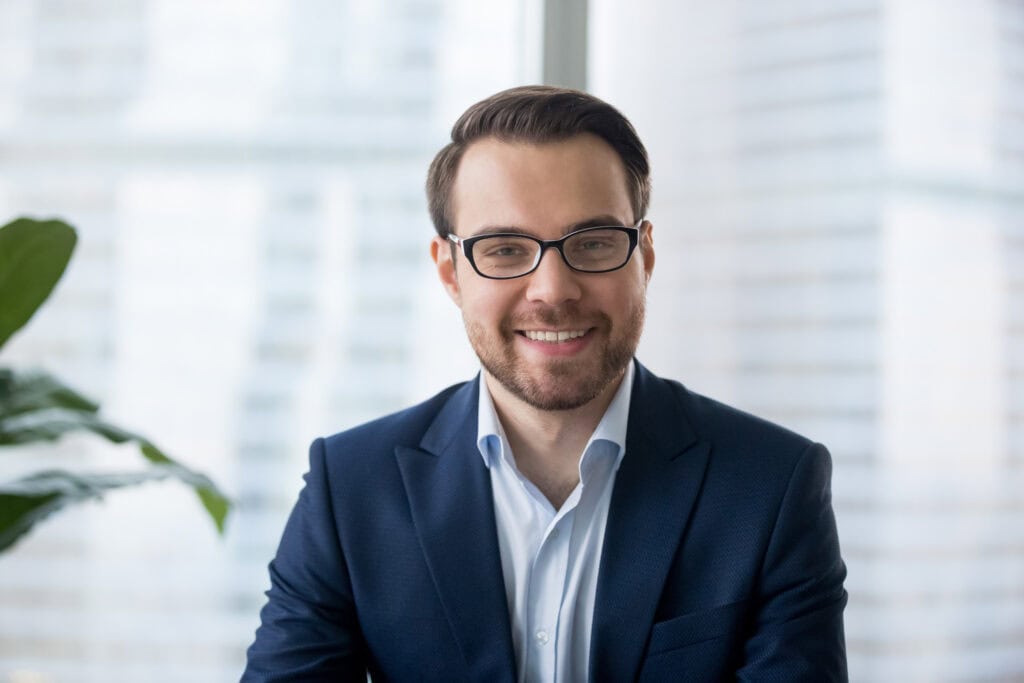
(561, 336)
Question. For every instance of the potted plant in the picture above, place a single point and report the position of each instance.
(36, 407)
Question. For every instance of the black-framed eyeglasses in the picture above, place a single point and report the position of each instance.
(503, 256)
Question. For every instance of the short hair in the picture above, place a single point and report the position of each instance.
(537, 114)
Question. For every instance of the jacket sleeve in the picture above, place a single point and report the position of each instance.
(308, 629)
(798, 625)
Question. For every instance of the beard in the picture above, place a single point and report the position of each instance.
(559, 383)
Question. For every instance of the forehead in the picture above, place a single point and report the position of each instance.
(538, 187)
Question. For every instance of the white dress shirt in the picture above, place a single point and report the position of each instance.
(550, 557)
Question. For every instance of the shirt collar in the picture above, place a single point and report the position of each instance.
(491, 439)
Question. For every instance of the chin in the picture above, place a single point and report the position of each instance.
(563, 388)
(551, 401)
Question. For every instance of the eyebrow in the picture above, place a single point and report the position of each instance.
(594, 222)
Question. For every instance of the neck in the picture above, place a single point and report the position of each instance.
(547, 444)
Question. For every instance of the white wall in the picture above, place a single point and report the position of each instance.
(838, 211)
(247, 182)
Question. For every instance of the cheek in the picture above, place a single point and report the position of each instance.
(625, 292)
(486, 304)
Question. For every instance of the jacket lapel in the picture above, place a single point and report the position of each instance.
(655, 490)
(449, 494)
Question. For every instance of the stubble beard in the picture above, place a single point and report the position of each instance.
(564, 383)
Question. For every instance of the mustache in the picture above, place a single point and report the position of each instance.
(555, 316)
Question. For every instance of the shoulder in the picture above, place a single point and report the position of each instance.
(707, 418)
(741, 445)
(751, 447)
(751, 465)
(720, 422)
(403, 428)
(358, 465)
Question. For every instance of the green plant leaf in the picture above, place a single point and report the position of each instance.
(29, 500)
(22, 392)
(33, 256)
(35, 406)
(216, 503)
(52, 423)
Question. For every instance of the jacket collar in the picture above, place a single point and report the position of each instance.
(655, 491)
(452, 510)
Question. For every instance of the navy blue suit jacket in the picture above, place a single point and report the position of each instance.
(720, 561)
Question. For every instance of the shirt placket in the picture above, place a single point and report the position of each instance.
(546, 588)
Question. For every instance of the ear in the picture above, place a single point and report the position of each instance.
(647, 248)
(441, 252)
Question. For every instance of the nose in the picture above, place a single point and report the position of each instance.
(553, 282)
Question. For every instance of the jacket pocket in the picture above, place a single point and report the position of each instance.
(695, 627)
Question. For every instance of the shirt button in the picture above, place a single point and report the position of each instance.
(554, 533)
(542, 636)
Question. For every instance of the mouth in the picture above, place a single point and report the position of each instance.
(552, 336)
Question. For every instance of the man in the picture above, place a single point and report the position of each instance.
(567, 515)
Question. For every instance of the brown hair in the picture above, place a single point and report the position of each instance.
(537, 114)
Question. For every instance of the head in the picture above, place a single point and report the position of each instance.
(545, 162)
(537, 114)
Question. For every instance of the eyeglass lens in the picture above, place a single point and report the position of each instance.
(589, 250)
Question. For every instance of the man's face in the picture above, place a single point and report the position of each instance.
(547, 190)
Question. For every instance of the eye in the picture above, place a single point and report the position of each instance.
(594, 244)
(503, 250)
(591, 246)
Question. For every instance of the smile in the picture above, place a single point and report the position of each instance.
(553, 337)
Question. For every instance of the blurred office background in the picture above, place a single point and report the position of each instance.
(839, 217)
